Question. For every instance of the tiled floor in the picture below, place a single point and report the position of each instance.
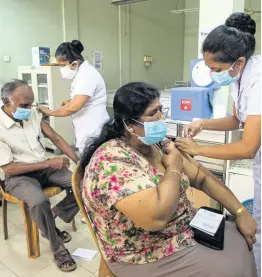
(13, 252)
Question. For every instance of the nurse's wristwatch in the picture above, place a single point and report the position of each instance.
(239, 211)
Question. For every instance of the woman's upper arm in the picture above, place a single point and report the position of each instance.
(140, 208)
(252, 134)
(78, 102)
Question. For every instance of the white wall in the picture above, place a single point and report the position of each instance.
(24, 24)
(154, 31)
(256, 6)
(191, 36)
(98, 30)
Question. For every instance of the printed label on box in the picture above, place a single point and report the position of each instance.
(186, 105)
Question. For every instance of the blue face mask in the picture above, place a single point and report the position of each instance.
(21, 114)
(155, 132)
(223, 78)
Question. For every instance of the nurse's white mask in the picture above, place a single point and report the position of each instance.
(67, 72)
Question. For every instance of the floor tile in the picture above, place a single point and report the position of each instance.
(53, 271)
(5, 272)
(24, 267)
(16, 241)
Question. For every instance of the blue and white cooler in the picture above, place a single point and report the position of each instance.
(195, 102)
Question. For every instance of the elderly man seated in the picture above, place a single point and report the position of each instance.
(27, 171)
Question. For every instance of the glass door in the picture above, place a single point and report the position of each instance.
(27, 77)
(42, 88)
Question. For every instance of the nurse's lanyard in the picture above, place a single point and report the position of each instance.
(238, 105)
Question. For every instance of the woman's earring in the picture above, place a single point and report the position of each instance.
(131, 130)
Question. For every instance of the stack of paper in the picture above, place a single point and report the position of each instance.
(206, 221)
(84, 254)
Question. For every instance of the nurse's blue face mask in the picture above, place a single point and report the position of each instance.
(223, 78)
(155, 131)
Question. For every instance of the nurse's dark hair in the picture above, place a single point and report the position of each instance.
(9, 87)
(232, 40)
(130, 102)
(70, 51)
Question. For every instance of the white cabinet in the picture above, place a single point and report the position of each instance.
(239, 174)
(50, 90)
(240, 180)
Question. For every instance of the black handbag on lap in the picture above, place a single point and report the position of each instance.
(215, 242)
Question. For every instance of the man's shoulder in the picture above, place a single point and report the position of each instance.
(36, 115)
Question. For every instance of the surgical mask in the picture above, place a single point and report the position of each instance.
(223, 78)
(67, 72)
(21, 113)
(155, 132)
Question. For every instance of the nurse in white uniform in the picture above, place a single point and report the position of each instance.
(87, 103)
(228, 51)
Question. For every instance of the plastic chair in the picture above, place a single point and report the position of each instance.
(249, 204)
(77, 177)
(31, 230)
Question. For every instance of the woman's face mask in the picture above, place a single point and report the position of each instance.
(224, 78)
(155, 131)
(67, 72)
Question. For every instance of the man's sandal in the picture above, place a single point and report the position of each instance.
(63, 235)
(64, 261)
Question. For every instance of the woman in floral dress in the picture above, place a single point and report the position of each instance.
(136, 196)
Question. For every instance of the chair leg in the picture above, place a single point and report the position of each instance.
(4, 210)
(74, 225)
(73, 221)
(32, 235)
(104, 270)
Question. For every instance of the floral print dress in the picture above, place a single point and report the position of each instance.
(116, 171)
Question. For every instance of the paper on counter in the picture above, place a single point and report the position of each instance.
(84, 254)
(206, 221)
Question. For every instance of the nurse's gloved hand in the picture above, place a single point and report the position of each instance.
(247, 226)
(192, 129)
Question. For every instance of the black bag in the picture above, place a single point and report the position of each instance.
(215, 242)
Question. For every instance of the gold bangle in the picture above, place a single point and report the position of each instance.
(239, 211)
(175, 171)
